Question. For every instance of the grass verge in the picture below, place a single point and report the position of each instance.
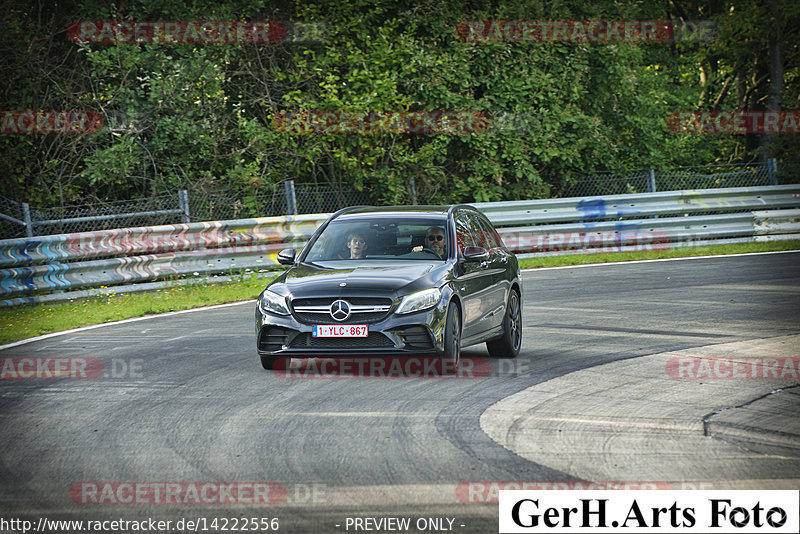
(681, 252)
(30, 320)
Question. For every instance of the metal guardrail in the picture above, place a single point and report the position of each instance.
(650, 234)
(646, 221)
(109, 257)
(640, 205)
(535, 227)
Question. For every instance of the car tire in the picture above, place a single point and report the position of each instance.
(452, 339)
(508, 345)
(268, 362)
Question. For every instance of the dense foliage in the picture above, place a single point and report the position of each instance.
(201, 116)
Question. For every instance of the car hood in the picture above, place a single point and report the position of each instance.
(316, 280)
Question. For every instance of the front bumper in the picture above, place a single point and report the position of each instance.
(410, 334)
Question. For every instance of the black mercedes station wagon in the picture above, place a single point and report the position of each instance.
(394, 281)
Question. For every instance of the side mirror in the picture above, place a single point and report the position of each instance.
(286, 256)
(475, 254)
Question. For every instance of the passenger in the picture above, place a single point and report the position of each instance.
(434, 240)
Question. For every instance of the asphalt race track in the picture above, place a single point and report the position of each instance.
(180, 404)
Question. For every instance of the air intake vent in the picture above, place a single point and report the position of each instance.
(273, 338)
(374, 341)
(416, 337)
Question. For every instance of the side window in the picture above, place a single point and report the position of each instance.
(463, 235)
(493, 239)
(478, 232)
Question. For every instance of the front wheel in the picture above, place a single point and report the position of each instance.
(508, 345)
(452, 338)
(268, 362)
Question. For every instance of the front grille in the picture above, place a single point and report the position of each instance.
(416, 337)
(325, 318)
(375, 340)
(273, 338)
(363, 310)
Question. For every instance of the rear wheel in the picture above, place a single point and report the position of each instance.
(509, 344)
(452, 338)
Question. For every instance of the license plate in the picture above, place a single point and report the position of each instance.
(339, 330)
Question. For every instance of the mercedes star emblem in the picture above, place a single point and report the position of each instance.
(340, 310)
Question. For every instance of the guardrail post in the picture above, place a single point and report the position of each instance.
(26, 216)
(772, 169)
(651, 181)
(291, 199)
(183, 204)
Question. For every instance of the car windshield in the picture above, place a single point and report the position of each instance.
(362, 238)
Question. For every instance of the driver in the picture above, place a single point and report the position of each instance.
(434, 240)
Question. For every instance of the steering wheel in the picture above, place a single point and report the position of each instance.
(431, 251)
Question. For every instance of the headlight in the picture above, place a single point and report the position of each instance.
(421, 300)
(273, 303)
